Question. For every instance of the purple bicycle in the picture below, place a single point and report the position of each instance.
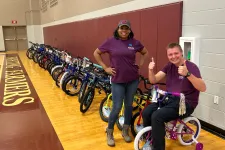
(186, 130)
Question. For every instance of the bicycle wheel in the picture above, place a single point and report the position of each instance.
(73, 81)
(135, 125)
(29, 53)
(50, 66)
(194, 124)
(63, 78)
(56, 72)
(137, 99)
(87, 100)
(120, 122)
(41, 61)
(143, 139)
(46, 63)
(105, 108)
(58, 78)
(35, 57)
(83, 89)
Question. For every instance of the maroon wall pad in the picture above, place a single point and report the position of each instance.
(155, 27)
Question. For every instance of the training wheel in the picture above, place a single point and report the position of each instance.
(199, 146)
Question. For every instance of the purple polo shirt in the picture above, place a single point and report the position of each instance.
(177, 83)
(122, 58)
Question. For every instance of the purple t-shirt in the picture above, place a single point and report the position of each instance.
(177, 83)
(122, 58)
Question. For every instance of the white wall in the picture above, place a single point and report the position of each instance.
(206, 19)
(201, 18)
(2, 44)
(35, 34)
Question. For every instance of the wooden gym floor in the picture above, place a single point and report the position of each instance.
(52, 120)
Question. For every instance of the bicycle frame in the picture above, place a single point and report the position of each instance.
(173, 130)
(173, 133)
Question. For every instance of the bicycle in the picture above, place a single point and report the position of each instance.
(71, 85)
(98, 75)
(136, 121)
(107, 104)
(175, 129)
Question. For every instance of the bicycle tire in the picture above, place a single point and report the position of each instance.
(118, 122)
(66, 81)
(133, 125)
(82, 91)
(139, 91)
(85, 99)
(101, 107)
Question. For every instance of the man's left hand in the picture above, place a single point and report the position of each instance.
(182, 70)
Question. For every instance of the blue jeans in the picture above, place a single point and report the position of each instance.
(122, 92)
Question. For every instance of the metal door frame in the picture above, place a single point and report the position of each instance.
(15, 39)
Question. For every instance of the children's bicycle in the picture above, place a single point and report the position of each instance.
(106, 106)
(136, 121)
(186, 130)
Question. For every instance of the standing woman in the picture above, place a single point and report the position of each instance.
(122, 48)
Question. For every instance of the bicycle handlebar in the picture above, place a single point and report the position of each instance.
(97, 66)
(85, 58)
(167, 93)
(155, 94)
(146, 81)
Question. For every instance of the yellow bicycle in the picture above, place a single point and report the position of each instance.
(107, 105)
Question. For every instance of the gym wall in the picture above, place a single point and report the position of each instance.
(26, 13)
(33, 21)
(69, 8)
(201, 18)
(83, 37)
(205, 19)
(11, 10)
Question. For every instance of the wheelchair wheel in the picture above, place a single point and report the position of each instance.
(194, 124)
(143, 139)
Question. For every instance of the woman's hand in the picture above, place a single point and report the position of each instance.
(110, 71)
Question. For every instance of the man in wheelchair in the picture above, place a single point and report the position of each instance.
(182, 76)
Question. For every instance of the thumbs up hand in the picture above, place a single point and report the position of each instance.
(151, 64)
(182, 70)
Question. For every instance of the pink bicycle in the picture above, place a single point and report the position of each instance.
(186, 130)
